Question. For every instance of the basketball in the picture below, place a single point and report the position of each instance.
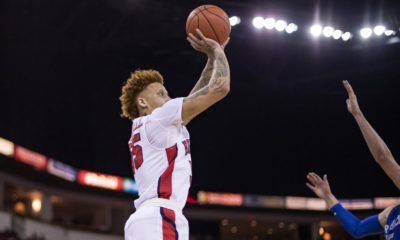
(212, 21)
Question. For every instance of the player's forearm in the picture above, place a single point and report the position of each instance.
(379, 150)
(220, 76)
(219, 84)
(205, 76)
(376, 145)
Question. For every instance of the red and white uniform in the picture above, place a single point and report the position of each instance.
(161, 161)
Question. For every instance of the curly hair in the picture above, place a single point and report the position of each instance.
(138, 81)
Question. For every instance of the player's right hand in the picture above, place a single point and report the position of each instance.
(225, 43)
(318, 185)
(203, 44)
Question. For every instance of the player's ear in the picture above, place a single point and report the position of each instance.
(141, 102)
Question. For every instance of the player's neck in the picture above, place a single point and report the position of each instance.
(144, 112)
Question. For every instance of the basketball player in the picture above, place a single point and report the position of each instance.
(160, 143)
(388, 221)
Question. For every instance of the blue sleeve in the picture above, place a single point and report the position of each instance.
(354, 226)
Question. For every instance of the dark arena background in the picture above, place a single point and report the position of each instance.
(65, 171)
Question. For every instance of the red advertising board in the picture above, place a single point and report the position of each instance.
(30, 157)
(100, 180)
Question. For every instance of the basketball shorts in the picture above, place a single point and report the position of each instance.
(151, 222)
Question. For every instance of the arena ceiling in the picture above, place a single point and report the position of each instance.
(63, 63)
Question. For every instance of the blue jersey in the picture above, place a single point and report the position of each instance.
(392, 227)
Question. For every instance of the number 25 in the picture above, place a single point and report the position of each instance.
(137, 154)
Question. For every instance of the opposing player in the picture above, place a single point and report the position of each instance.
(388, 221)
(160, 143)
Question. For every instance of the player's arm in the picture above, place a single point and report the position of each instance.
(376, 145)
(218, 86)
(205, 76)
(207, 72)
(354, 226)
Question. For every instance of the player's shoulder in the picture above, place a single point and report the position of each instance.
(169, 107)
(395, 209)
(384, 215)
(174, 102)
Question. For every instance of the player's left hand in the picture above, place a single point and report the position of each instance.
(203, 44)
(352, 103)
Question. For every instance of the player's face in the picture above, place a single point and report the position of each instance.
(155, 95)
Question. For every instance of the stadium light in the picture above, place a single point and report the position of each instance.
(366, 32)
(379, 30)
(258, 22)
(389, 32)
(234, 20)
(280, 25)
(337, 34)
(291, 28)
(316, 30)
(225, 222)
(234, 229)
(36, 205)
(269, 23)
(6, 147)
(346, 36)
(328, 31)
(20, 208)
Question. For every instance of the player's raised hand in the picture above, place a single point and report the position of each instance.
(203, 44)
(352, 103)
(318, 185)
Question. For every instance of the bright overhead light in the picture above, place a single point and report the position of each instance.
(389, 32)
(379, 30)
(337, 34)
(269, 23)
(258, 22)
(280, 25)
(346, 36)
(316, 30)
(234, 20)
(328, 31)
(291, 28)
(366, 32)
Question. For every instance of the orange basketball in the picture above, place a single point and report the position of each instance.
(212, 21)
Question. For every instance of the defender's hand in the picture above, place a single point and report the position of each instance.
(352, 103)
(318, 185)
